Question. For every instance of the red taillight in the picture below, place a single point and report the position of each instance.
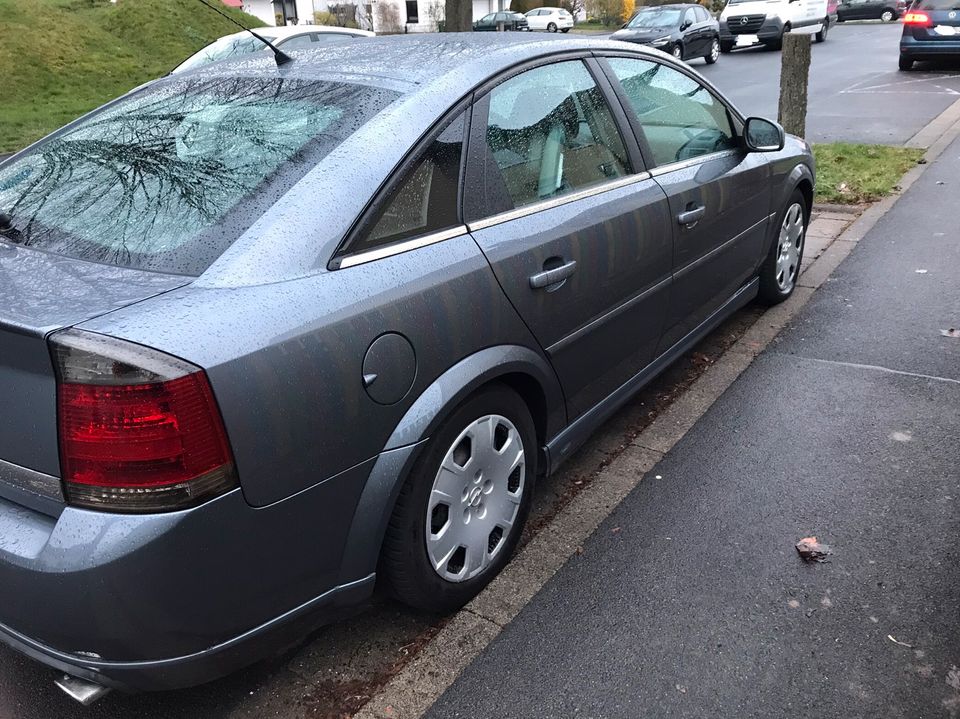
(917, 18)
(140, 431)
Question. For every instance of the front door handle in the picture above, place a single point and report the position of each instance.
(553, 276)
(692, 217)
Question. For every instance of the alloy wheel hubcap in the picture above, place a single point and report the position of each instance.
(677, 52)
(475, 498)
(715, 50)
(789, 246)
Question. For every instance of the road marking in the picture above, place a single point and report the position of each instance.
(872, 368)
(859, 89)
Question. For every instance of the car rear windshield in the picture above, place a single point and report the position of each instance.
(936, 5)
(168, 178)
(226, 47)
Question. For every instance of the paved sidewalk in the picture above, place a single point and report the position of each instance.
(690, 601)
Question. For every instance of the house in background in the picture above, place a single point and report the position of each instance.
(277, 12)
(403, 16)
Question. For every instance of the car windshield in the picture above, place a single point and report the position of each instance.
(226, 47)
(655, 18)
(168, 178)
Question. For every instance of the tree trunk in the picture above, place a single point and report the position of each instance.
(459, 16)
(794, 76)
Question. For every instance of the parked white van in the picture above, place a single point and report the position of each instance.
(748, 22)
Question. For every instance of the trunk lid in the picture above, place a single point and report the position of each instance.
(41, 292)
(944, 17)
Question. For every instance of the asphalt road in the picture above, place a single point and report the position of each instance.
(856, 93)
(690, 600)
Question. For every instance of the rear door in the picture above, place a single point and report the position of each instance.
(719, 194)
(579, 238)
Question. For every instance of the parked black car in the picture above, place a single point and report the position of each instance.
(931, 30)
(886, 10)
(510, 20)
(685, 31)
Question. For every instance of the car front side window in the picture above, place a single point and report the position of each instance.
(681, 119)
(549, 132)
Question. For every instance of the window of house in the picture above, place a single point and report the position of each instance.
(681, 118)
(413, 14)
(427, 199)
(550, 132)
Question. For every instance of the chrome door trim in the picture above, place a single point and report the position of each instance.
(699, 159)
(549, 204)
(400, 247)
(28, 480)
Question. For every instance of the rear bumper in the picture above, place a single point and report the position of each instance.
(929, 49)
(162, 601)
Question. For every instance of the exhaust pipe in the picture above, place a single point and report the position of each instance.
(81, 690)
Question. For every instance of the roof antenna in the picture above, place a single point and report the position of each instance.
(279, 55)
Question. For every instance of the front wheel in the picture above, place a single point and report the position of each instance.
(677, 51)
(714, 54)
(461, 511)
(781, 268)
(552, 27)
(906, 63)
(726, 47)
(822, 34)
(888, 16)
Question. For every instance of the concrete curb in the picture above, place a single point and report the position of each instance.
(414, 690)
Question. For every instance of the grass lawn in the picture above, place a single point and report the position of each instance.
(849, 173)
(61, 58)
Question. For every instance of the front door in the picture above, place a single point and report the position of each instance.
(719, 195)
(581, 245)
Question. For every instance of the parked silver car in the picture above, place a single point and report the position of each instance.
(271, 336)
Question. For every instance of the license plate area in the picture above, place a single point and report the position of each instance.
(747, 40)
(946, 30)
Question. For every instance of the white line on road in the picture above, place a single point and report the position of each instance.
(874, 368)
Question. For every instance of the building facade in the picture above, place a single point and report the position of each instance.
(281, 12)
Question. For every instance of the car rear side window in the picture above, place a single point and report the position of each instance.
(550, 132)
(681, 118)
(936, 5)
(168, 178)
(426, 199)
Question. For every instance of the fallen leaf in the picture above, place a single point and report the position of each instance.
(615, 530)
(902, 644)
(952, 332)
(682, 689)
(579, 551)
(811, 550)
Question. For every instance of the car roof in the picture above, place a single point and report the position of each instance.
(285, 31)
(671, 6)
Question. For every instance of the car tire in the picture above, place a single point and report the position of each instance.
(714, 54)
(781, 268)
(726, 47)
(551, 27)
(677, 51)
(423, 577)
(906, 63)
(566, 29)
(888, 16)
(822, 34)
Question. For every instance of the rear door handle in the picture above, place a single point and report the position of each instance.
(552, 277)
(692, 217)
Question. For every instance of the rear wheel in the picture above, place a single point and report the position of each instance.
(552, 27)
(822, 34)
(566, 29)
(461, 511)
(779, 272)
(906, 63)
(714, 54)
(888, 15)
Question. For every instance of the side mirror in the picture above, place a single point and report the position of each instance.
(685, 24)
(761, 135)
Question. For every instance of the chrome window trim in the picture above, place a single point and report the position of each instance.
(683, 164)
(397, 248)
(28, 480)
(549, 204)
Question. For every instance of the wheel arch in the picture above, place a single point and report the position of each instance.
(522, 369)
